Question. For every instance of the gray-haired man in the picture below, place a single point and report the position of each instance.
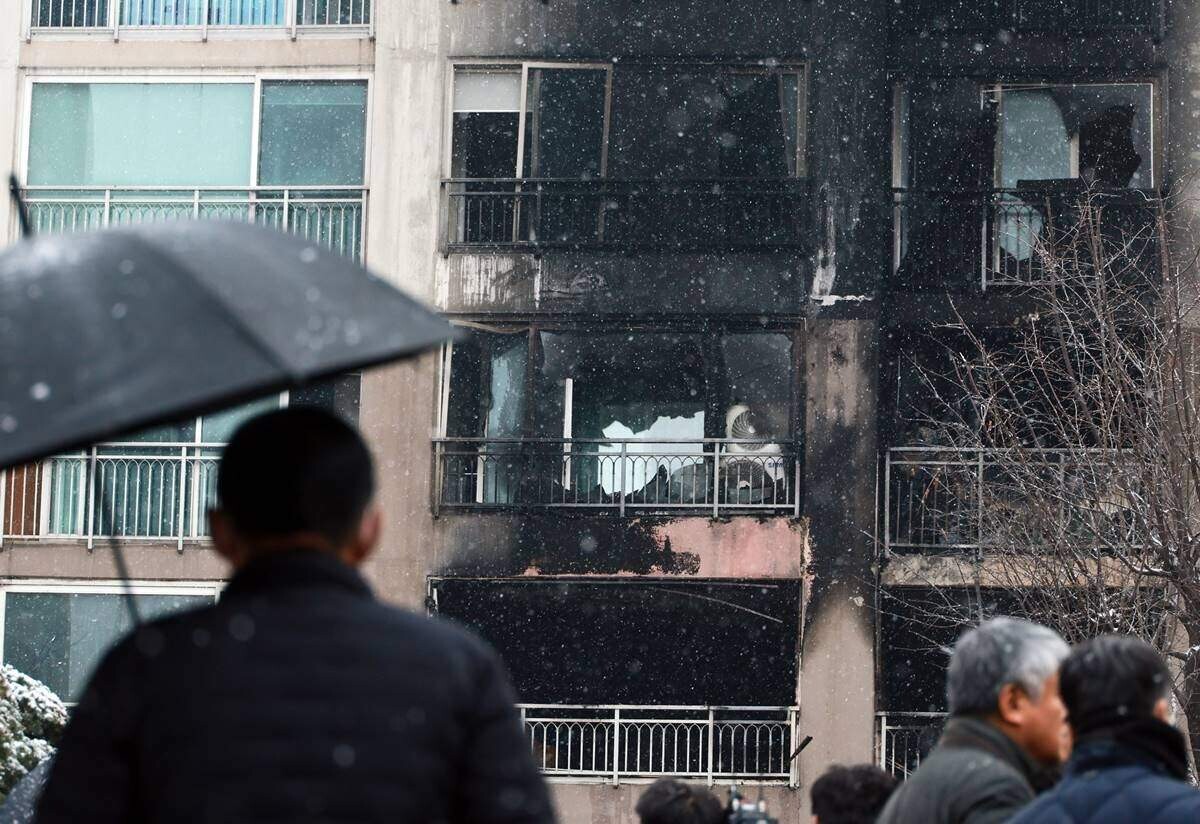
(1006, 721)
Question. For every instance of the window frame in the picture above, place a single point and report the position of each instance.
(255, 80)
(87, 586)
(480, 65)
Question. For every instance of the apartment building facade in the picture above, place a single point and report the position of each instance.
(667, 468)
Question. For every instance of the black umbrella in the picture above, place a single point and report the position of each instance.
(106, 332)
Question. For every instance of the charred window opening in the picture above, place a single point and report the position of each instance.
(607, 641)
(646, 154)
(918, 627)
(1015, 162)
(622, 418)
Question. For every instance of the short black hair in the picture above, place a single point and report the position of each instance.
(1111, 679)
(298, 469)
(668, 801)
(851, 795)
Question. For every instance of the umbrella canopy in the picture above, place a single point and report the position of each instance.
(103, 333)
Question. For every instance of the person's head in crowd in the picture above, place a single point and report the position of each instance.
(1005, 671)
(1111, 680)
(668, 801)
(295, 478)
(850, 795)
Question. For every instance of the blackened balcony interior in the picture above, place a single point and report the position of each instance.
(991, 179)
(616, 155)
(622, 421)
(727, 642)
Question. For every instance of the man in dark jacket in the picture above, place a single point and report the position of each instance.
(1129, 764)
(298, 697)
(1006, 721)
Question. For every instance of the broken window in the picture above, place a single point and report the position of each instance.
(637, 416)
(485, 403)
(694, 642)
(1005, 166)
(1056, 139)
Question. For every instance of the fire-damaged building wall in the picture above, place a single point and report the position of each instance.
(651, 470)
(687, 246)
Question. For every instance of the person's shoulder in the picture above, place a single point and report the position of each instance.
(1166, 799)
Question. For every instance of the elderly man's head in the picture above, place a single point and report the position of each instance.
(1006, 671)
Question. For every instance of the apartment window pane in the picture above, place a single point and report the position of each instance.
(114, 134)
(58, 638)
(704, 122)
(565, 123)
(487, 400)
(756, 385)
(647, 389)
(313, 133)
(486, 104)
(220, 426)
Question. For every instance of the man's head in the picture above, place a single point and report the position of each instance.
(1006, 671)
(668, 801)
(851, 795)
(1112, 679)
(297, 478)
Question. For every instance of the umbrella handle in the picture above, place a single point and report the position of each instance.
(106, 494)
(14, 190)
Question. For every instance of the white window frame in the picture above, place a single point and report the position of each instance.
(76, 586)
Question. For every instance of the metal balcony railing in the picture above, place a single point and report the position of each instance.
(614, 742)
(939, 499)
(116, 16)
(136, 490)
(1076, 16)
(973, 240)
(333, 216)
(718, 476)
(686, 214)
(903, 739)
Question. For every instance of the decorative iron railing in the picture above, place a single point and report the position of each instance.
(1076, 16)
(135, 490)
(722, 213)
(942, 499)
(966, 241)
(612, 742)
(333, 216)
(118, 16)
(903, 739)
(719, 476)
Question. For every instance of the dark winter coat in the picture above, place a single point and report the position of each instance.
(1134, 771)
(297, 698)
(975, 775)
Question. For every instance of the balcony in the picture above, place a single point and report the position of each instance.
(202, 17)
(612, 743)
(135, 490)
(979, 241)
(332, 216)
(940, 499)
(619, 476)
(903, 739)
(1076, 16)
(531, 214)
